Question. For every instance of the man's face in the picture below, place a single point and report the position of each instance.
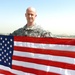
(30, 16)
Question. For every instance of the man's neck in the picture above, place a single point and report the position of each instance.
(30, 24)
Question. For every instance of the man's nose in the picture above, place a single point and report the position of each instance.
(29, 15)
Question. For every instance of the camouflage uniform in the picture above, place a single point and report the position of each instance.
(34, 31)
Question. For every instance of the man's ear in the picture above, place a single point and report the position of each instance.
(25, 14)
(36, 15)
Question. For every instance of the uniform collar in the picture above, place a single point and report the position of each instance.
(30, 28)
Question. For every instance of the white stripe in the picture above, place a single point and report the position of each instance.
(14, 71)
(45, 57)
(44, 68)
(45, 46)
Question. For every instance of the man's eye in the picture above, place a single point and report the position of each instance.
(31, 14)
(28, 14)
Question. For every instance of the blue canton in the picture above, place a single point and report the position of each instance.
(6, 50)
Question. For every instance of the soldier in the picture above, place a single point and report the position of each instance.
(31, 28)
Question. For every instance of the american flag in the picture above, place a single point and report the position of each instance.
(20, 55)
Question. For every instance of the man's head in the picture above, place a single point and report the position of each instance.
(30, 15)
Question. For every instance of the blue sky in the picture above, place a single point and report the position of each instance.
(56, 16)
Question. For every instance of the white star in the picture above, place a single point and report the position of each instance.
(8, 48)
(9, 63)
(10, 45)
(6, 59)
(4, 50)
(9, 57)
(1, 38)
(0, 49)
(10, 39)
(3, 41)
(0, 54)
(0, 60)
(8, 42)
(10, 51)
(4, 55)
(7, 54)
(2, 46)
(0, 43)
(5, 44)
(5, 38)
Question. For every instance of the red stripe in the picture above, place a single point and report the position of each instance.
(34, 71)
(6, 72)
(65, 41)
(45, 62)
(46, 51)
(64, 53)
